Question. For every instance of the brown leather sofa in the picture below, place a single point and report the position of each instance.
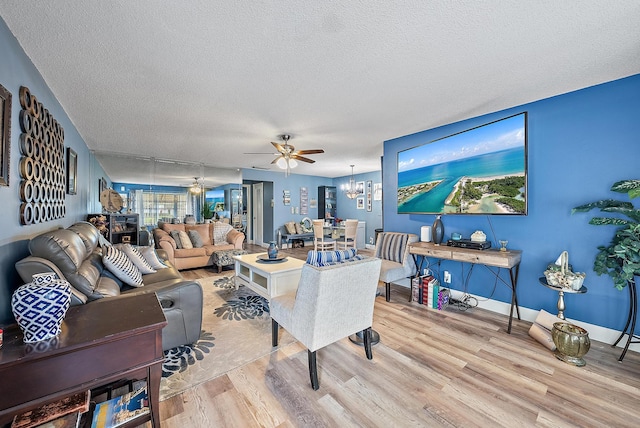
(74, 255)
(187, 258)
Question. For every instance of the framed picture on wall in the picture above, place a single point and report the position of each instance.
(5, 135)
(377, 192)
(102, 185)
(360, 203)
(369, 195)
(72, 171)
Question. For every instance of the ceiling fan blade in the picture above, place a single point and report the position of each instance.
(302, 158)
(278, 147)
(261, 153)
(309, 152)
(276, 159)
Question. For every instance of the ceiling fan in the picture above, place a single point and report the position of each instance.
(288, 156)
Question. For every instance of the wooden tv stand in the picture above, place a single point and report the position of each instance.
(490, 258)
(101, 342)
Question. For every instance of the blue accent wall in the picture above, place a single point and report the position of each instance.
(16, 69)
(579, 144)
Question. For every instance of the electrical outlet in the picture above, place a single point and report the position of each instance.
(447, 277)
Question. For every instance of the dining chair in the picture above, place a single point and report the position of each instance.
(397, 264)
(350, 231)
(320, 241)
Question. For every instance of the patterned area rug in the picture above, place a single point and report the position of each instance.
(236, 330)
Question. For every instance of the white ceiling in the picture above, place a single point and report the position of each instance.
(207, 81)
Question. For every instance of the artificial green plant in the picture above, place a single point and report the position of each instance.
(621, 258)
(207, 211)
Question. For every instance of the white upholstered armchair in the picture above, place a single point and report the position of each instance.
(331, 303)
(397, 263)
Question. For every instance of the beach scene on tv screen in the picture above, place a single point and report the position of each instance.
(479, 171)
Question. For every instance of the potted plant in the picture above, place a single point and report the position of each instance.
(207, 212)
(621, 258)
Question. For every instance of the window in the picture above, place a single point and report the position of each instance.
(160, 206)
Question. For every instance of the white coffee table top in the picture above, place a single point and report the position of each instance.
(269, 267)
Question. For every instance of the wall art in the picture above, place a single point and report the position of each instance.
(5, 135)
(42, 165)
(360, 203)
(286, 197)
(377, 192)
(304, 201)
(369, 195)
(72, 171)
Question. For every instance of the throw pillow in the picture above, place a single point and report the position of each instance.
(184, 240)
(220, 231)
(326, 258)
(137, 259)
(196, 239)
(291, 227)
(119, 264)
(150, 255)
(298, 227)
(392, 246)
(175, 234)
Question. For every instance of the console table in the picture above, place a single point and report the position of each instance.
(101, 342)
(489, 258)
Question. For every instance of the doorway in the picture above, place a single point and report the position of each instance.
(258, 213)
(247, 210)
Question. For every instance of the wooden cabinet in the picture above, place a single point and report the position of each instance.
(123, 343)
(327, 203)
(122, 228)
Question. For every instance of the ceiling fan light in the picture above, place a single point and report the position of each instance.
(282, 163)
(293, 163)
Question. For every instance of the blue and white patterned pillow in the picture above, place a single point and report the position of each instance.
(328, 258)
(119, 264)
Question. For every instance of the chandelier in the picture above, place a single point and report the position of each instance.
(352, 190)
(196, 187)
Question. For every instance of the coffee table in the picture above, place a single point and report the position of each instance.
(268, 278)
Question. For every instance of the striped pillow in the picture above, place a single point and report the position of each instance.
(392, 246)
(119, 264)
(326, 258)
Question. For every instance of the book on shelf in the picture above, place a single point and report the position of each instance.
(60, 413)
(70, 420)
(119, 410)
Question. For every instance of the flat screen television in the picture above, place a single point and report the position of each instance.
(482, 170)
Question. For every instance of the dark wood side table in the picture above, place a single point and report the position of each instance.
(101, 342)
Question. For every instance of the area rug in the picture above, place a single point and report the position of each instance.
(236, 330)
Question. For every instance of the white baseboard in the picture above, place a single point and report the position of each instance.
(596, 332)
(370, 246)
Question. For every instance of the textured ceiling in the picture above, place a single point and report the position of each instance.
(206, 82)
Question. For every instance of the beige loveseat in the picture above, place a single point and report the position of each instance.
(228, 238)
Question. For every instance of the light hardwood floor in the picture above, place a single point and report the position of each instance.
(432, 368)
